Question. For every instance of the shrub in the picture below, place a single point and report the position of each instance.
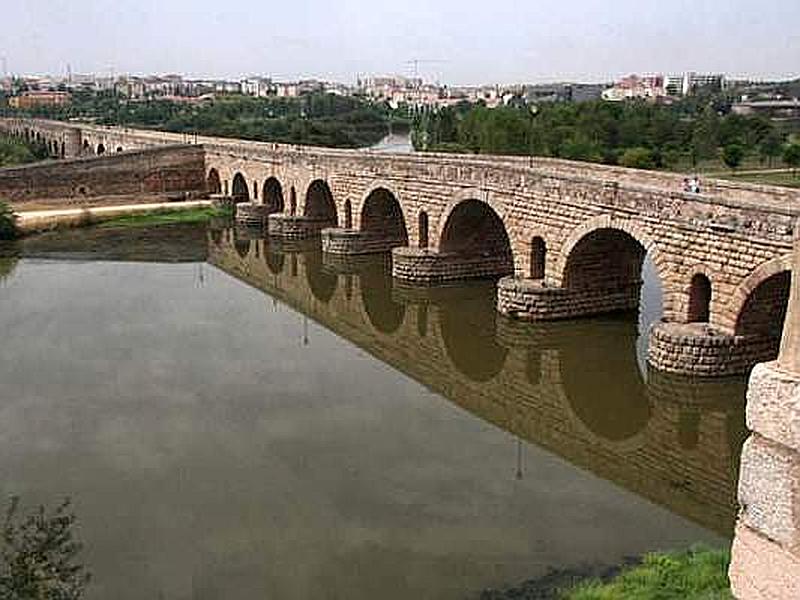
(638, 158)
(8, 222)
(37, 555)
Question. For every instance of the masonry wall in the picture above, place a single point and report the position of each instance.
(735, 233)
(153, 171)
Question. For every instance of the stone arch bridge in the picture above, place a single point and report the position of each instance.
(565, 239)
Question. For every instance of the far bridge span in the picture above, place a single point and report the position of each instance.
(566, 239)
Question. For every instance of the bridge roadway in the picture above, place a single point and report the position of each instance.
(566, 239)
(678, 444)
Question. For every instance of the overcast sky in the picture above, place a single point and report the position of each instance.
(471, 42)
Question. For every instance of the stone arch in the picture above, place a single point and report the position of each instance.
(119, 149)
(213, 183)
(348, 214)
(87, 149)
(607, 222)
(760, 303)
(759, 275)
(292, 201)
(472, 230)
(101, 149)
(240, 191)
(319, 204)
(63, 152)
(699, 308)
(605, 268)
(422, 229)
(538, 257)
(272, 195)
(463, 195)
(382, 216)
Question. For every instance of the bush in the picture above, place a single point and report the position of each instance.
(37, 555)
(638, 158)
(791, 156)
(8, 222)
(732, 156)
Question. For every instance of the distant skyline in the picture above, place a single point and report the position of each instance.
(471, 43)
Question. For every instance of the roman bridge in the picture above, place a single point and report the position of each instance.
(565, 239)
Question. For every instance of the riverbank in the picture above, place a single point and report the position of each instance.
(691, 574)
(28, 222)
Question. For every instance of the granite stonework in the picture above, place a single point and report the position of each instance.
(765, 560)
(533, 300)
(353, 241)
(292, 227)
(160, 170)
(701, 350)
(582, 228)
(427, 267)
(254, 215)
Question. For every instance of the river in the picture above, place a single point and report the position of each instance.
(235, 418)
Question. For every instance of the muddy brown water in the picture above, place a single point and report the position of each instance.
(235, 418)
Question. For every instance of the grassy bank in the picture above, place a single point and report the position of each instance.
(784, 178)
(168, 217)
(695, 574)
(698, 573)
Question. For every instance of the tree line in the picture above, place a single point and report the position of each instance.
(314, 119)
(634, 134)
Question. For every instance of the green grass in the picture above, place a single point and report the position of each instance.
(167, 217)
(695, 574)
(786, 178)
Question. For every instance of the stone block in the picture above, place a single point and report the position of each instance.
(769, 491)
(762, 570)
(773, 405)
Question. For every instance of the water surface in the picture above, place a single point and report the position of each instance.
(238, 419)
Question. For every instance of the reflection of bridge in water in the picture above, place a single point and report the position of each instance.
(573, 387)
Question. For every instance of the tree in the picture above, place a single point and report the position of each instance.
(8, 222)
(732, 156)
(705, 136)
(638, 158)
(791, 156)
(770, 147)
(37, 556)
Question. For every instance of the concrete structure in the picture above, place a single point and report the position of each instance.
(766, 552)
(568, 238)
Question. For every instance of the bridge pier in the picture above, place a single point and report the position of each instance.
(249, 213)
(765, 559)
(698, 349)
(294, 227)
(420, 266)
(533, 300)
(353, 241)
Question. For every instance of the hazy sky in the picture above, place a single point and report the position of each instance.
(473, 42)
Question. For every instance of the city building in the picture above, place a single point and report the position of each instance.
(36, 98)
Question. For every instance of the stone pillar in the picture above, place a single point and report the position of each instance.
(250, 213)
(534, 300)
(765, 561)
(293, 227)
(352, 241)
(700, 350)
(420, 266)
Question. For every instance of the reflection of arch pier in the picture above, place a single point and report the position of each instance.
(572, 388)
